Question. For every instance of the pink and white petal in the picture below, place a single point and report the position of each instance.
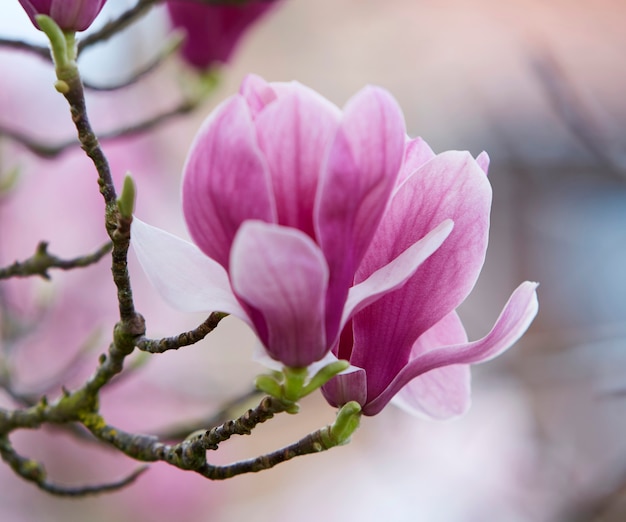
(514, 320)
(282, 274)
(346, 387)
(447, 332)
(294, 133)
(416, 154)
(257, 92)
(395, 273)
(355, 187)
(226, 181)
(442, 393)
(183, 275)
(450, 186)
(483, 160)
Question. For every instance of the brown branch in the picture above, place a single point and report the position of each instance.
(42, 261)
(225, 413)
(33, 471)
(140, 9)
(191, 453)
(575, 112)
(172, 45)
(40, 51)
(183, 339)
(52, 151)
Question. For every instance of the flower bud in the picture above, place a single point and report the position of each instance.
(69, 15)
(213, 31)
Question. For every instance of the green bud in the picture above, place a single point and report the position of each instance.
(62, 86)
(346, 423)
(294, 382)
(324, 375)
(268, 384)
(62, 46)
(126, 201)
(8, 180)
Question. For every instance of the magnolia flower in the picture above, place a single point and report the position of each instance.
(411, 345)
(70, 15)
(213, 31)
(283, 194)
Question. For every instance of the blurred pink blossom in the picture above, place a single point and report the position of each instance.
(213, 31)
(70, 15)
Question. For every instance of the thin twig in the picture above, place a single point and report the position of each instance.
(41, 51)
(575, 111)
(183, 339)
(52, 151)
(42, 261)
(141, 8)
(181, 431)
(172, 45)
(115, 26)
(191, 453)
(33, 471)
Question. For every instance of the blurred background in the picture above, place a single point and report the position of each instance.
(538, 85)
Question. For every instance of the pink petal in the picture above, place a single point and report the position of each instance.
(362, 168)
(283, 275)
(443, 392)
(186, 278)
(395, 274)
(226, 180)
(346, 387)
(514, 320)
(212, 31)
(294, 133)
(257, 93)
(450, 186)
(483, 160)
(439, 394)
(416, 154)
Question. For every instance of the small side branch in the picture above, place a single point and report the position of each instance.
(33, 471)
(315, 442)
(113, 27)
(41, 51)
(42, 261)
(225, 413)
(49, 151)
(191, 453)
(183, 339)
(171, 45)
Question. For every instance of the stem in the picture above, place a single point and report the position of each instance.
(42, 261)
(33, 471)
(183, 339)
(191, 453)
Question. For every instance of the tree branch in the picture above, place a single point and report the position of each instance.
(42, 261)
(33, 471)
(51, 151)
(40, 51)
(183, 339)
(225, 413)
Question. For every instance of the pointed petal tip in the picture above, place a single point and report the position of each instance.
(483, 161)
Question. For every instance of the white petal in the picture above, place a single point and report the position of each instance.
(185, 277)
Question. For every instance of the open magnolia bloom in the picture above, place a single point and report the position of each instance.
(410, 345)
(282, 194)
(330, 230)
